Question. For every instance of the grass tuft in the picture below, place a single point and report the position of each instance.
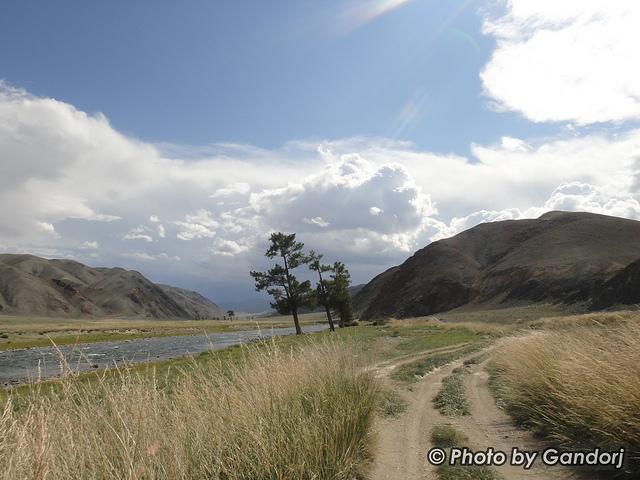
(451, 400)
(391, 404)
(410, 372)
(446, 436)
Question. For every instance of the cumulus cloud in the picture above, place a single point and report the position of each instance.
(227, 248)
(197, 225)
(341, 194)
(573, 61)
(367, 201)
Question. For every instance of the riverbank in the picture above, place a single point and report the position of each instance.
(30, 332)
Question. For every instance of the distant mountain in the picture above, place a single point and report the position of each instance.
(560, 257)
(31, 285)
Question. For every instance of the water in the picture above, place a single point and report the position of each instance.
(21, 366)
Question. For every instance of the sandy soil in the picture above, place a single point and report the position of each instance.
(403, 443)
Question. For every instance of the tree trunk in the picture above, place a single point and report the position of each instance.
(296, 322)
(326, 305)
(331, 327)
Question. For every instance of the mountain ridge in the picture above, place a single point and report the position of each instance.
(560, 257)
(31, 285)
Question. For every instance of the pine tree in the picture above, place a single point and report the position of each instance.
(339, 296)
(289, 294)
(323, 294)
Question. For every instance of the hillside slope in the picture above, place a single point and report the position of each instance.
(560, 257)
(621, 289)
(31, 285)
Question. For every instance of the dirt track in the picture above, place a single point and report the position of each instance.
(403, 443)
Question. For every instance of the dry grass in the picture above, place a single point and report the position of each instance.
(275, 415)
(580, 386)
(478, 327)
(598, 319)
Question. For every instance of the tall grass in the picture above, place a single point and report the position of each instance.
(579, 386)
(275, 415)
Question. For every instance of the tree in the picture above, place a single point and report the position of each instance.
(339, 296)
(323, 296)
(231, 314)
(289, 294)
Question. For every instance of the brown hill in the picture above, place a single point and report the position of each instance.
(31, 285)
(621, 289)
(560, 257)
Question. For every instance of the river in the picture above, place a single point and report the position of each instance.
(21, 366)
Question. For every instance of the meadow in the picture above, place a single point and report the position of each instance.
(303, 406)
(293, 407)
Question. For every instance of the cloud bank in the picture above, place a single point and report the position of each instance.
(567, 61)
(72, 185)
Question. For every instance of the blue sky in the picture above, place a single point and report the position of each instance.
(172, 137)
(261, 73)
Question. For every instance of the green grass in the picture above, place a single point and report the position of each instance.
(381, 341)
(391, 404)
(29, 332)
(416, 339)
(457, 472)
(446, 436)
(411, 372)
(451, 400)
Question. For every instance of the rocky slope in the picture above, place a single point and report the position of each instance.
(560, 257)
(35, 286)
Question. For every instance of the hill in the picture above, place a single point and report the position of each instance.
(35, 286)
(621, 289)
(561, 257)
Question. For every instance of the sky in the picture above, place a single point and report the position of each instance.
(172, 138)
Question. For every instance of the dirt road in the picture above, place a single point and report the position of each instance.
(404, 442)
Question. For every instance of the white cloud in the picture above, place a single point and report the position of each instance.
(340, 195)
(367, 201)
(227, 248)
(576, 196)
(47, 227)
(197, 225)
(139, 233)
(150, 257)
(239, 188)
(89, 245)
(515, 144)
(574, 61)
(319, 221)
